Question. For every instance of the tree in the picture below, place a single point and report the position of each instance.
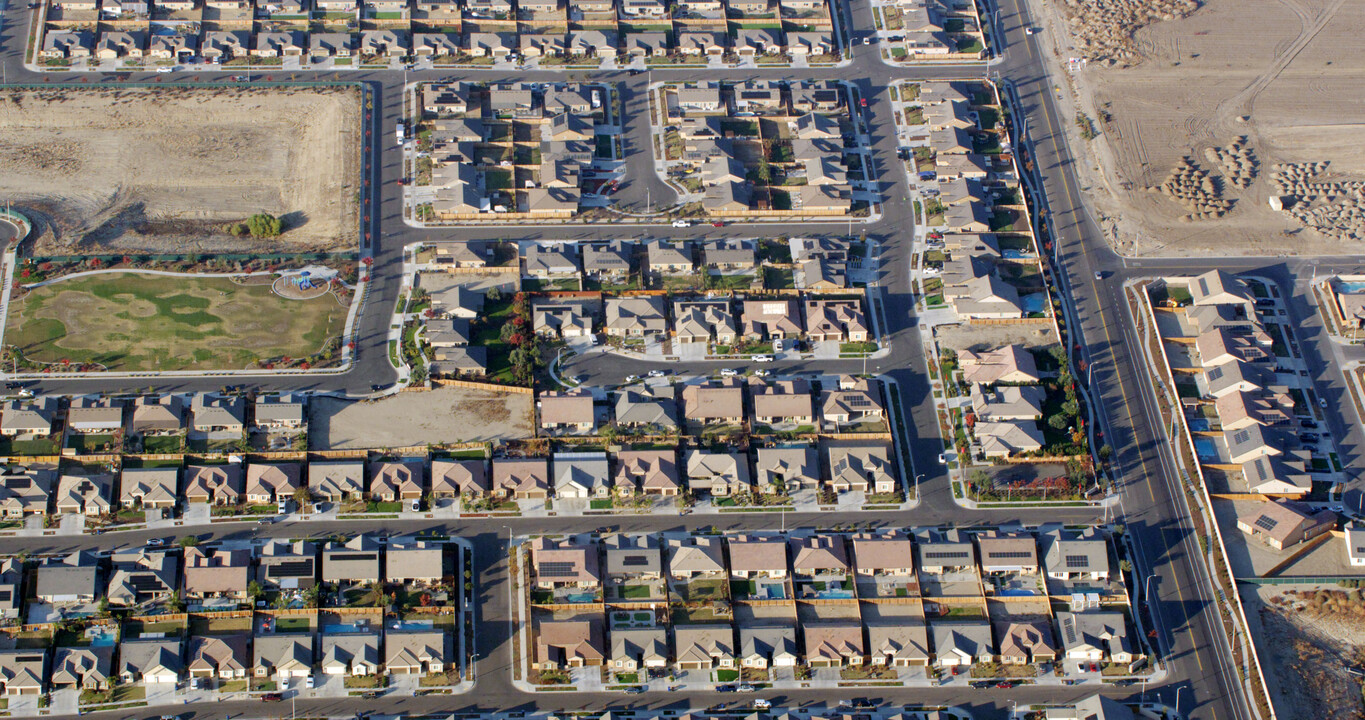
(302, 497)
(264, 225)
(1058, 421)
(1071, 408)
(311, 596)
(104, 607)
(254, 590)
(188, 541)
(174, 603)
(1125, 566)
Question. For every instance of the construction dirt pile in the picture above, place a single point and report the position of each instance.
(1312, 637)
(165, 170)
(1104, 28)
(1230, 134)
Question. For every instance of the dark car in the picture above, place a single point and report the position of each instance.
(636, 690)
(1310, 424)
(725, 688)
(272, 697)
(1308, 437)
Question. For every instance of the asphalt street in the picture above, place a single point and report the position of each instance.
(1201, 678)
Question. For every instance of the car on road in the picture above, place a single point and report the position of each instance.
(746, 687)
(376, 388)
(717, 224)
(943, 458)
(657, 373)
(761, 704)
(635, 690)
(156, 542)
(1322, 402)
(725, 688)
(272, 697)
(728, 372)
(763, 358)
(1099, 274)
(862, 102)
(632, 378)
(681, 223)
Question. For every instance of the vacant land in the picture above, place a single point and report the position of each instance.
(163, 170)
(1186, 87)
(134, 322)
(443, 415)
(1306, 647)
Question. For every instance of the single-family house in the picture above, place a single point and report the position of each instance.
(565, 563)
(647, 410)
(336, 480)
(157, 415)
(652, 472)
(218, 656)
(397, 480)
(287, 565)
(417, 652)
(784, 470)
(635, 649)
(1026, 641)
(721, 402)
(888, 554)
(92, 415)
(82, 668)
(141, 575)
(717, 474)
(1282, 524)
(836, 321)
(284, 656)
(522, 479)
(943, 551)
(581, 475)
(1095, 637)
(769, 319)
(635, 316)
(571, 411)
(762, 647)
(28, 417)
(695, 556)
(703, 320)
(71, 578)
(834, 644)
(151, 662)
(272, 482)
(757, 556)
(354, 654)
(353, 561)
(22, 671)
(85, 494)
(285, 412)
(862, 468)
(783, 402)
(458, 478)
(1007, 552)
(900, 644)
(962, 644)
(703, 647)
(218, 414)
(562, 644)
(216, 572)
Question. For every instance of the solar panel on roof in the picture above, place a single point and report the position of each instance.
(1266, 523)
(1012, 554)
(557, 569)
(292, 568)
(1077, 561)
(634, 560)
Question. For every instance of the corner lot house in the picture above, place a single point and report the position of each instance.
(22, 671)
(417, 653)
(569, 643)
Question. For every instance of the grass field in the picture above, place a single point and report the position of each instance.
(147, 322)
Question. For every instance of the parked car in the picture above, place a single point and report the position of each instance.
(1310, 424)
(272, 697)
(746, 687)
(763, 358)
(943, 458)
(761, 704)
(728, 372)
(725, 688)
(657, 373)
(681, 223)
(156, 542)
(416, 505)
(635, 690)
(632, 378)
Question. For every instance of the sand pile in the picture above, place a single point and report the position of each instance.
(1103, 29)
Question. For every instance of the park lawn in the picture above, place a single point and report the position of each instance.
(138, 322)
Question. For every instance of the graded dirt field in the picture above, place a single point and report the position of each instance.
(164, 169)
(442, 415)
(1239, 87)
(134, 322)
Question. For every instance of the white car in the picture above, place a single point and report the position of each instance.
(761, 704)
(728, 372)
(632, 378)
(309, 682)
(681, 223)
(416, 505)
(657, 373)
(761, 373)
(1030, 31)
(763, 358)
(777, 346)
(943, 458)
(165, 69)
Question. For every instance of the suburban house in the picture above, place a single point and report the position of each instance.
(417, 652)
(85, 494)
(693, 557)
(151, 662)
(458, 302)
(94, 415)
(757, 556)
(1095, 707)
(564, 644)
(836, 321)
(1072, 555)
(218, 656)
(819, 557)
(571, 411)
(784, 402)
(704, 320)
(353, 561)
(666, 257)
(67, 44)
(336, 480)
(652, 472)
(786, 469)
(67, 579)
(856, 400)
(286, 565)
(149, 487)
(551, 261)
(1007, 552)
(284, 656)
(607, 260)
(632, 558)
(215, 572)
(521, 479)
(902, 644)
(280, 412)
(962, 644)
(82, 668)
(648, 410)
(218, 414)
(834, 644)
(1282, 524)
(1007, 403)
(1095, 637)
(767, 646)
(703, 647)
(562, 321)
(1026, 641)
(119, 44)
(272, 483)
(564, 564)
(862, 468)
(713, 403)
(355, 654)
(384, 43)
(581, 475)
(141, 575)
(1009, 364)
(635, 316)
(769, 319)
(887, 554)
(635, 649)
(25, 491)
(435, 45)
(337, 45)
(943, 551)
(718, 474)
(397, 480)
(28, 417)
(729, 255)
(456, 478)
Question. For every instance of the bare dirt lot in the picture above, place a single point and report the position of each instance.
(443, 415)
(1199, 87)
(163, 170)
(1309, 643)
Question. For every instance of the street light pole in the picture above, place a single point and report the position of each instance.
(917, 477)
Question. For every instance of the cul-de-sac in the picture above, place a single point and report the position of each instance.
(682, 360)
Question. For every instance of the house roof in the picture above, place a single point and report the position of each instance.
(712, 402)
(944, 549)
(284, 651)
(883, 551)
(459, 476)
(703, 466)
(819, 552)
(396, 477)
(411, 649)
(758, 553)
(790, 463)
(140, 657)
(1283, 521)
(768, 642)
(570, 407)
(151, 485)
(286, 408)
(636, 314)
(693, 643)
(1083, 552)
(215, 570)
(1026, 639)
(612, 256)
(833, 640)
(966, 640)
(71, 665)
(632, 554)
(861, 463)
(1011, 363)
(1005, 549)
(650, 642)
(783, 399)
(414, 560)
(588, 470)
(218, 411)
(1106, 631)
(279, 479)
(521, 475)
(562, 640)
(1008, 437)
(696, 554)
(654, 469)
(637, 408)
(349, 650)
(907, 639)
(564, 561)
(218, 653)
(335, 478)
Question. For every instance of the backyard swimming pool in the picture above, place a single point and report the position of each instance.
(1206, 449)
(1034, 302)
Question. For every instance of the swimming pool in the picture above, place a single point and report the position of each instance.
(411, 625)
(100, 635)
(1350, 287)
(343, 628)
(1016, 254)
(1206, 449)
(581, 597)
(835, 594)
(1200, 425)
(1016, 593)
(1034, 302)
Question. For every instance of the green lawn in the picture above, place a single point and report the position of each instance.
(158, 444)
(293, 624)
(634, 592)
(41, 446)
(144, 322)
(727, 675)
(778, 279)
(92, 443)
